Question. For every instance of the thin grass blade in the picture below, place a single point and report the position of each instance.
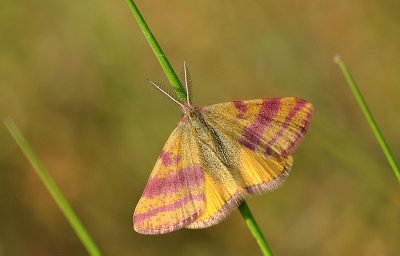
(367, 113)
(56, 194)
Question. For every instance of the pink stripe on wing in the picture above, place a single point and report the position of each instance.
(190, 177)
(168, 159)
(292, 113)
(306, 125)
(252, 134)
(169, 207)
(241, 107)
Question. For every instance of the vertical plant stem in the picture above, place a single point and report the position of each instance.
(176, 84)
(367, 113)
(58, 197)
(254, 229)
(158, 52)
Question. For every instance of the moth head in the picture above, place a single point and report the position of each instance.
(185, 85)
(187, 109)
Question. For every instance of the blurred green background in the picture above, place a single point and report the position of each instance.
(73, 77)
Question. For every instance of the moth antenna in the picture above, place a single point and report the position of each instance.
(159, 87)
(186, 82)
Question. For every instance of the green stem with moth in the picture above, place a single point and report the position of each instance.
(367, 113)
(176, 84)
(58, 197)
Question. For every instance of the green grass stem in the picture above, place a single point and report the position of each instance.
(158, 52)
(254, 229)
(176, 84)
(58, 197)
(367, 113)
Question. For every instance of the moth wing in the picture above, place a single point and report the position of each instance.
(267, 131)
(258, 137)
(221, 190)
(229, 180)
(174, 194)
(219, 202)
(262, 173)
(272, 127)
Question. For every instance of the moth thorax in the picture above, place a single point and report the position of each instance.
(187, 108)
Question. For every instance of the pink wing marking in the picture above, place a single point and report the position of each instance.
(190, 178)
(300, 104)
(168, 159)
(241, 107)
(253, 134)
(169, 207)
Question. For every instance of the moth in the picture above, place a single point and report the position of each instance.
(217, 156)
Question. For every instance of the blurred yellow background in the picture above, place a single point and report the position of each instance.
(73, 77)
